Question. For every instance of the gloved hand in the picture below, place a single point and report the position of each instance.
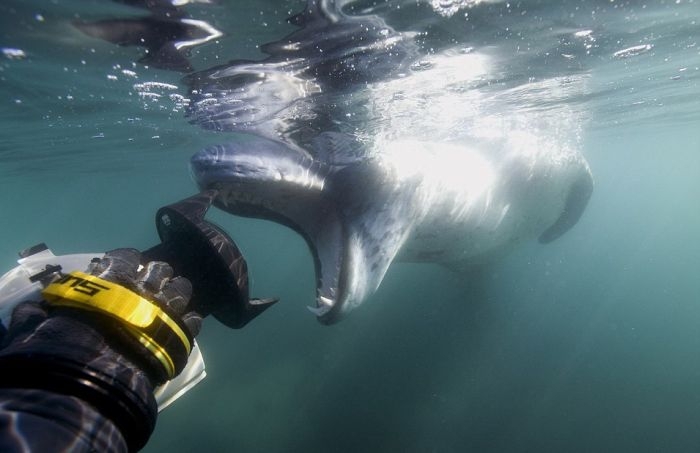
(107, 356)
(63, 326)
(155, 283)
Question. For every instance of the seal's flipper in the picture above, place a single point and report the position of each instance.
(576, 201)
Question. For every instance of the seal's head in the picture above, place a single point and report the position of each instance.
(265, 179)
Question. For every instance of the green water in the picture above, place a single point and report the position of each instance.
(588, 344)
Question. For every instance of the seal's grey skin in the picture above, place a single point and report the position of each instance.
(416, 201)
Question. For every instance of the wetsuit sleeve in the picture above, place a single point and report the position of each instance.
(64, 387)
(41, 421)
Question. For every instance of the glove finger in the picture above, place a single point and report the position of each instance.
(193, 321)
(26, 317)
(118, 266)
(175, 294)
(153, 277)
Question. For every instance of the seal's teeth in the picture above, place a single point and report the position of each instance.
(319, 311)
(325, 301)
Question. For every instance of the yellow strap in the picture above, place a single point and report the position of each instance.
(82, 290)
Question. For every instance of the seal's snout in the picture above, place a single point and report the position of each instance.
(203, 163)
(206, 157)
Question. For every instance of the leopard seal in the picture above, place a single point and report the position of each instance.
(415, 201)
(375, 152)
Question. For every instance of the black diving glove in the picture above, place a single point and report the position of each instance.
(107, 337)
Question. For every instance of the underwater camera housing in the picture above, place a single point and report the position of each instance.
(195, 248)
(208, 257)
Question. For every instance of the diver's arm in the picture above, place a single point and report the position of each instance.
(36, 420)
(74, 377)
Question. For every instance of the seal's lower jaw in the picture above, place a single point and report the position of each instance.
(328, 309)
(326, 316)
(356, 277)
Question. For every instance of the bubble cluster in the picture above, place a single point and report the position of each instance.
(447, 8)
(156, 92)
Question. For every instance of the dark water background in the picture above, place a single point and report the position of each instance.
(588, 344)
